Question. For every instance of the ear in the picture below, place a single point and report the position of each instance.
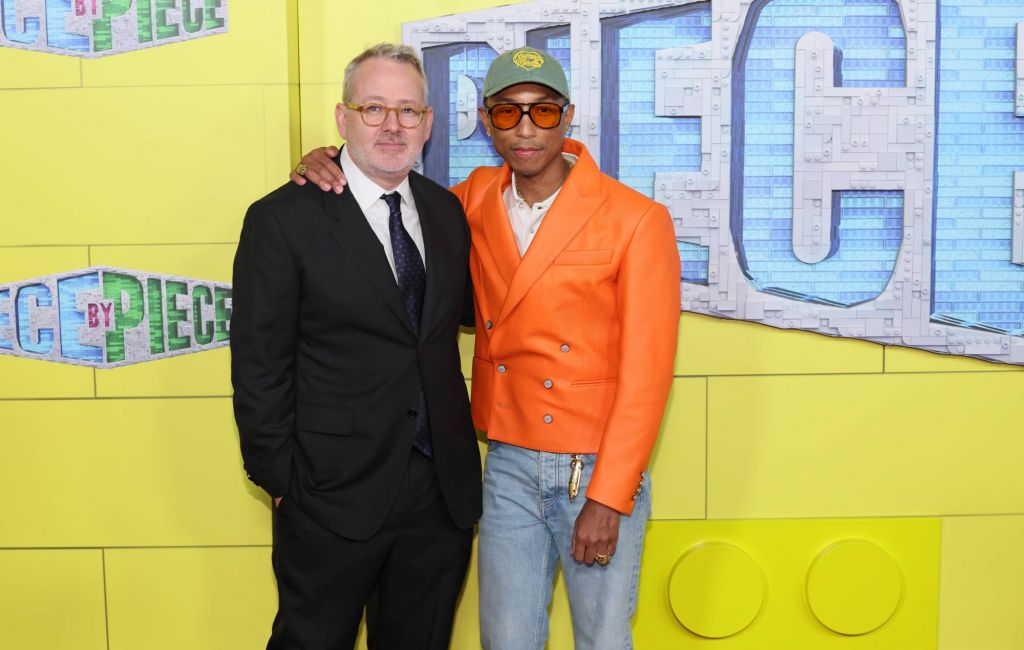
(485, 120)
(339, 119)
(567, 117)
(429, 119)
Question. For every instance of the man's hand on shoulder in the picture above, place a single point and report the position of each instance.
(318, 166)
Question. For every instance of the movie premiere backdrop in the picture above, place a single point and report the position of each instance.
(849, 168)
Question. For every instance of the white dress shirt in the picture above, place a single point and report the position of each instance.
(525, 219)
(367, 194)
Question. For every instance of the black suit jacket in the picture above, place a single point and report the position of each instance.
(325, 365)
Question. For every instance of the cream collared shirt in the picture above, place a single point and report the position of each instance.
(367, 194)
(525, 219)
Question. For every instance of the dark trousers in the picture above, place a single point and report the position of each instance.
(408, 575)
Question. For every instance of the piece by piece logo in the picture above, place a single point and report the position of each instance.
(528, 60)
(827, 165)
(106, 317)
(96, 28)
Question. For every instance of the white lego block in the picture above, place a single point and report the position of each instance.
(1017, 245)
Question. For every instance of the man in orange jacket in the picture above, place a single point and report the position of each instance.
(576, 280)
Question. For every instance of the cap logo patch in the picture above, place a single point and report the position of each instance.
(527, 60)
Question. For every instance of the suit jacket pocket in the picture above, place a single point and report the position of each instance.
(324, 419)
(592, 382)
(585, 258)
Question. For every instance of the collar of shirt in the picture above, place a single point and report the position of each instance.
(525, 219)
(368, 195)
(364, 190)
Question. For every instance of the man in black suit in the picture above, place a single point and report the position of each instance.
(349, 396)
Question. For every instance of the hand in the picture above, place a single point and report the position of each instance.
(321, 170)
(596, 531)
(277, 502)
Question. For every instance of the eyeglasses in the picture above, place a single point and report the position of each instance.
(545, 115)
(409, 115)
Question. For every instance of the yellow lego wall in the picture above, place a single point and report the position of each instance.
(810, 493)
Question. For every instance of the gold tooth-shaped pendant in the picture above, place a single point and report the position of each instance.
(575, 472)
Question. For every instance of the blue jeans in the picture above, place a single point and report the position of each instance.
(525, 530)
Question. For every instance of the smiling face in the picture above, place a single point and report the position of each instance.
(531, 151)
(386, 152)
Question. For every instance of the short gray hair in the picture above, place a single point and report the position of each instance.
(391, 51)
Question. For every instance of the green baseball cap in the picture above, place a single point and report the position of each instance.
(525, 65)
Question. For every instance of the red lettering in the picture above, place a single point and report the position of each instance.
(93, 7)
(106, 313)
(80, 11)
(94, 315)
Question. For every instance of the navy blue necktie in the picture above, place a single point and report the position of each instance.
(412, 283)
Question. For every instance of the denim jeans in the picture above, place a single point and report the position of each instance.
(526, 529)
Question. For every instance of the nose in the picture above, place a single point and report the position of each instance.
(390, 121)
(526, 128)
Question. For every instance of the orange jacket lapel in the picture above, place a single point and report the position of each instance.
(497, 231)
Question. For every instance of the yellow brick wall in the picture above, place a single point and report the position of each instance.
(127, 522)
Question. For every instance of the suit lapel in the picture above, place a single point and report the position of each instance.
(354, 235)
(577, 202)
(435, 248)
(497, 230)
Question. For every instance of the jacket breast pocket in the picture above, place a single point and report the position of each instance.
(323, 419)
(584, 257)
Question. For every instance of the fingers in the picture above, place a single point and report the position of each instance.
(321, 169)
(583, 553)
(589, 555)
(319, 177)
(586, 547)
(579, 549)
(582, 549)
(586, 552)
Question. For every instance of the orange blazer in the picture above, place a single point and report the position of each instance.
(575, 341)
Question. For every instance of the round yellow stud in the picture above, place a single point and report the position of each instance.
(716, 590)
(854, 587)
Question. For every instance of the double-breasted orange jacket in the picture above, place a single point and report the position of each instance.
(575, 340)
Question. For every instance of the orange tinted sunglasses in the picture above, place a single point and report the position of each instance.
(545, 115)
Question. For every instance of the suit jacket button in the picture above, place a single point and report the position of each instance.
(548, 383)
(411, 414)
(565, 347)
(502, 368)
(488, 324)
(548, 419)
